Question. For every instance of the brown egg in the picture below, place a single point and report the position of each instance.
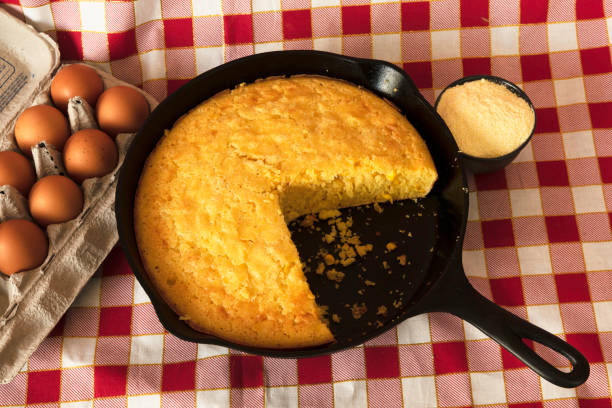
(23, 246)
(121, 109)
(41, 123)
(76, 80)
(16, 171)
(90, 153)
(55, 199)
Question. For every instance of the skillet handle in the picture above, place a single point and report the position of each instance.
(456, 295)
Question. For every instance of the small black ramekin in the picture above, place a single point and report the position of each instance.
(479, 165)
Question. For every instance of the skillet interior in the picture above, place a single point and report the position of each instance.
(436, 233)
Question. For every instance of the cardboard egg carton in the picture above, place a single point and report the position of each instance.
(32, 302)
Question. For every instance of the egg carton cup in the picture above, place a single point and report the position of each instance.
(32, 302)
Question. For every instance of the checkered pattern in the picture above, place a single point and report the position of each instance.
(538, 240)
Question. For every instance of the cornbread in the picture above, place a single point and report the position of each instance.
(217, 192)
(486, 119)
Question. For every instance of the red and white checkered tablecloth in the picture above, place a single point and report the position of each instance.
(538, 240)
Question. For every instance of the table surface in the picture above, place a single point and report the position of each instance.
(538, 239)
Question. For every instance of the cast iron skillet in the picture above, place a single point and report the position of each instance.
(429, 232)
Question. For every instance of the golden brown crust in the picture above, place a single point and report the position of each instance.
(217, 191)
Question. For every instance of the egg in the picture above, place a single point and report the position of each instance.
(23, 246)
(16, 171)
(55, 199)
(121, 109)
(76, 80)
(90, 153)
(41, 123)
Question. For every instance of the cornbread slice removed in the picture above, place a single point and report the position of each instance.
(217, 192)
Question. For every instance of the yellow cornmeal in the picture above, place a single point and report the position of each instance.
(485, 118)
(217, 192)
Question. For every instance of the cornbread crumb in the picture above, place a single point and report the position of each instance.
(334, 275)
(343, 226)
(347, 255)
(402, 260)
(215, 196)
(358, 310)
(325, 214)
(320, 269)
(378, 208)
(485, 118)
(354, 240)
(331, 237)
(347, 261)
(362, 250)
(336, 318)
(382, 310)
(369, 283)
(308, 221)
(391, 246)
(350, 243)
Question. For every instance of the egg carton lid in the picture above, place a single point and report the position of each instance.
(28, 60)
